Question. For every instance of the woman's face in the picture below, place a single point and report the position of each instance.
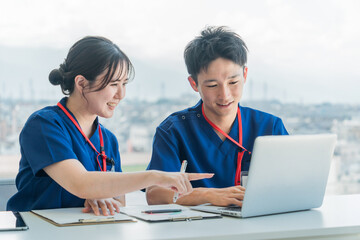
(103, 103)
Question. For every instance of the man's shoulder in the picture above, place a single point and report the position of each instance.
(255, 113)
(184, 116)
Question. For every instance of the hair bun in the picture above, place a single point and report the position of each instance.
(56, 77)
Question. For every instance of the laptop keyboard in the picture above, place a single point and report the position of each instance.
(236, 209)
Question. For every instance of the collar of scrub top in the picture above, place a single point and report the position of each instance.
(239, 144)
(102, 149)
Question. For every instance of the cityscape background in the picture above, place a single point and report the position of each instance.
(303, 66)
(134, 124)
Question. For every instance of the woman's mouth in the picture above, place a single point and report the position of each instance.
(112, 105)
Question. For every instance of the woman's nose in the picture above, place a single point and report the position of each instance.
(120, 93)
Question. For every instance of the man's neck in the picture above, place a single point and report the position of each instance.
(225, 123)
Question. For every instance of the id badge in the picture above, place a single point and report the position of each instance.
(112, 168)
(111, 160)
(244, 178)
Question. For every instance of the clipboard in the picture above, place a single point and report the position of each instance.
(62, 217)
(166, 212)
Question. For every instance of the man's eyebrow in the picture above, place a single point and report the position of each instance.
(234, 76)
(210, 81)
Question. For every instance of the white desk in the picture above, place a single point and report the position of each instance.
(338, 218)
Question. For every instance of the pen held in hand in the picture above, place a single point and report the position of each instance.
(182, 170)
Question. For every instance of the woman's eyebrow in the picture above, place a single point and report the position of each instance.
(119, 80)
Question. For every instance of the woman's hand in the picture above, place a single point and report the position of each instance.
(106, 205)
(179, 182)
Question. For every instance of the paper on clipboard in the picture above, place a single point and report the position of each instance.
(185, 214)
(74, 217)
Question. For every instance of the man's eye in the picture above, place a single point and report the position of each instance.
(234, 82)
(211, 86)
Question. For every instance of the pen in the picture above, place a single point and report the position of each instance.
(182, 170)
(162, 211)
(91, 220)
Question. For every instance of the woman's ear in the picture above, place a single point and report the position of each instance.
(193, 84)
(80, 83)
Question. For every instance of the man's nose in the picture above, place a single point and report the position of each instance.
(224, 92)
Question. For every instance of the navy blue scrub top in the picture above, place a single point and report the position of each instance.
(186, 135)
(48, 137)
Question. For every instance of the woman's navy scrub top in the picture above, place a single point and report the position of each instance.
(48, 137)
(186, 135)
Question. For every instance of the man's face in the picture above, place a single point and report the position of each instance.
(220, 87)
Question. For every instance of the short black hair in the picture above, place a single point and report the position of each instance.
(213, 43)
(89, 57)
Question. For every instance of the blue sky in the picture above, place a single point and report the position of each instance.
(300, 51)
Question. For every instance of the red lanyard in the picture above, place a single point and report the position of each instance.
(102, 149)
(239, 144)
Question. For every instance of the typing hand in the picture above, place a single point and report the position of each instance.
(106, 204)
(226, 196)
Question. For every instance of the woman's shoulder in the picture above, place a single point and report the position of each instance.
(109, 134)
(45, 113)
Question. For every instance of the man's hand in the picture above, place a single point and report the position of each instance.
(226, 196)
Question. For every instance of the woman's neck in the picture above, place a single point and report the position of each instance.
(85, 119)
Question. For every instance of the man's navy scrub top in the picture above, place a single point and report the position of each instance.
(48, 137)
(186, 135)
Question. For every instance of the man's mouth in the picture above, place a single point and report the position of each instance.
(224, 104)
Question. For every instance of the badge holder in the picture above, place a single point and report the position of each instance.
(244, 178)
(111, 160)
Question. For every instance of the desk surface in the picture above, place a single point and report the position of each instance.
(338, 218)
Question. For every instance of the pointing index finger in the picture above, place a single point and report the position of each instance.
(198, 176)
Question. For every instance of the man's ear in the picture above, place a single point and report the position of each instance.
(193, 84)
(245, 73)
(80, 82)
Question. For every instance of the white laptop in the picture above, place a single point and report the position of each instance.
(287, 173)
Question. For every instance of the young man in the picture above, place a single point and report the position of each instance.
(217, 134)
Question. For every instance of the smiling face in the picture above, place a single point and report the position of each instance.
(103, 103)
(220, 87)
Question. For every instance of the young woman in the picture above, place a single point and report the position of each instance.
(68, 159)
